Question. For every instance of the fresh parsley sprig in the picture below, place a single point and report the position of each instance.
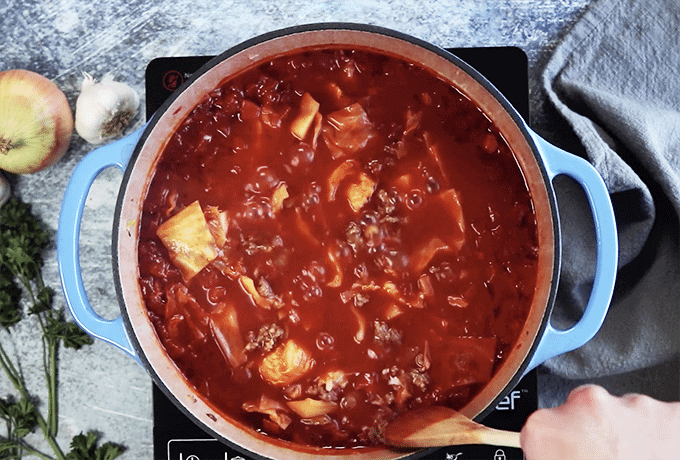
(84, 447)
(23, 238)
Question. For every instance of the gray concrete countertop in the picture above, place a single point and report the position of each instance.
(101, 387)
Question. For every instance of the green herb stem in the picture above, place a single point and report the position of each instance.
(36, 452)
(53, 406)
(16, 380)
(22, 448)
(10, 370)
(22, 239)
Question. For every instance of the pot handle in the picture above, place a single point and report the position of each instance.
(554, 342)
(68, 233)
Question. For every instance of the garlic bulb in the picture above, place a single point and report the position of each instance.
(104, 109)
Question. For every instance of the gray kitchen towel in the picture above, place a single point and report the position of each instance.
(616, 79)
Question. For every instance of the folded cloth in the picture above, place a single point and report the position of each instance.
(616, 79)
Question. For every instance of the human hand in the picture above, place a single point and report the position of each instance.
(594, 425)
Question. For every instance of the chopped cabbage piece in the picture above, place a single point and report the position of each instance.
(433, 151)
(308, 110)
(278, 197)
(332, 380)
(336, 268)
(287, 363)
(412, 121)
(316, 130)
(393, 310)
(338, 175)
(362, 324)
(268, 406)
(358, 193)
(450, 201)
(310, 408)
(188, 239)
(186, 316)
(337, 95)
(225, 329)
(425, 285)
(347, 130)
(258, 295)
(360, 186)
(424, 254)
(217, 223)
(304, 228)
(273, 116)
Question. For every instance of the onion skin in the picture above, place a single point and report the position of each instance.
(36, 122)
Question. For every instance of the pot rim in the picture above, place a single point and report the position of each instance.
(508, 110)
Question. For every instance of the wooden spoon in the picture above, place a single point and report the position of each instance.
(435, 426)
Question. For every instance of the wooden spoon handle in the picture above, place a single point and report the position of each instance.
(496, 437)
(441, 435)
(440, 426)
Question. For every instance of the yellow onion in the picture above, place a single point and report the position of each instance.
(36, 122)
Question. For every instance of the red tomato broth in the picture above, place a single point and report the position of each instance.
(399, 303)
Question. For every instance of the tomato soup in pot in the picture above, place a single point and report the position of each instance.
(332, 237)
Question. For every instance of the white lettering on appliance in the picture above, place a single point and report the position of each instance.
(508, 403)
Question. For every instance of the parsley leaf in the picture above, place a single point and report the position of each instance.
(22, 413)
(43, 301)
(84, 447)
(71, 335)
(10, 296)
(23, 238)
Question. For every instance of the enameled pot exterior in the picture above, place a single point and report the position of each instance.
(138, 153)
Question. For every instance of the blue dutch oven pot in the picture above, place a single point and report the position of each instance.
(136, 154)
